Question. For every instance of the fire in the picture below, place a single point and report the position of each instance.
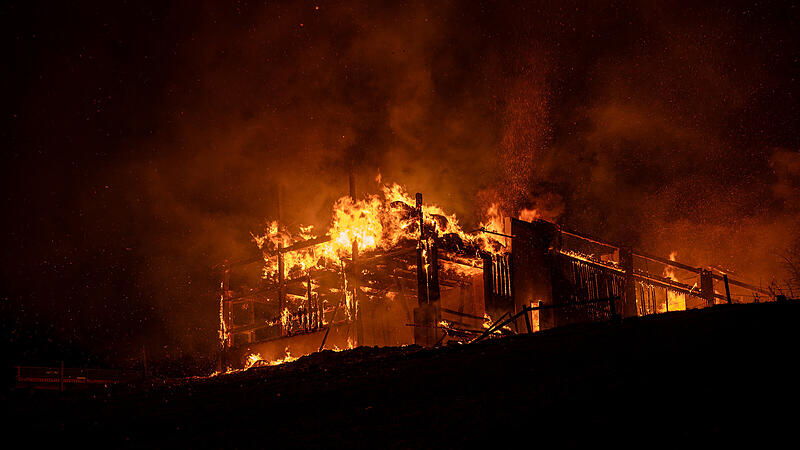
(676, 301)
(285, 359)
(255, 360)
(487, 321)
(252, 360)
(375, 222)
(495, 219)
(286, 318)
(529, 215)
(223, 330)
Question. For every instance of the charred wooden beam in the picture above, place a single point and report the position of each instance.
(484, 230)
(658, 259)
(462, 314)
(281, 281)
(744, 285)
(487, 280)
(590, 262)
(590, 238)
(668, 284)
(422, 277)
(433, 273)
(667, 262)
(499, 326)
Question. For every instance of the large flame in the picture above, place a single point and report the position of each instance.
(375, 222)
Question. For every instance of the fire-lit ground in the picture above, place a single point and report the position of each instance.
(712, 376)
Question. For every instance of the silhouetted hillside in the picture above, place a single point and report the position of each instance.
(714, 376)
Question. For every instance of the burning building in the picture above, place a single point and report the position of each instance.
(393, 271)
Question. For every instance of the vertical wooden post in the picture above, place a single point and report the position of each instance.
(707, 286)
(422, 277)
(434, 305)
(427, 314)
(433, 273)
(727, 288)
(309, 310)
(629, 294)
(281, 268)
(227, 313)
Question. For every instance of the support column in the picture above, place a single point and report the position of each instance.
(531, 272)
(629, 308)
(707, 286)
(427, 314)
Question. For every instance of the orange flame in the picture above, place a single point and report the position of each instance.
(376, 222)
(676, 301)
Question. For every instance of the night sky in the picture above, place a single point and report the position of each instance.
(144, 141)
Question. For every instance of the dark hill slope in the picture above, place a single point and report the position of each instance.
(721, 375)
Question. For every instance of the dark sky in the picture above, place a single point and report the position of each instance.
(144, 141)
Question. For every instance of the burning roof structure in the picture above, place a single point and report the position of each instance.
(392, 271)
